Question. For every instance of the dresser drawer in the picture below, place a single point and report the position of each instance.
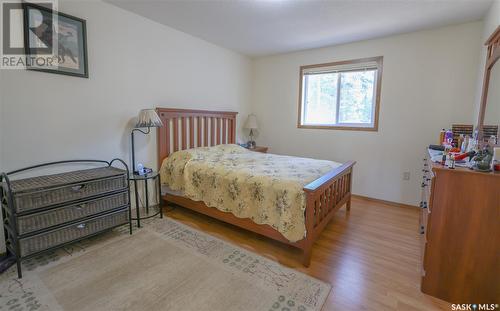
(37, 199)
(57, 216)
(72, 232)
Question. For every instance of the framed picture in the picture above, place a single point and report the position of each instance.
(54, 42)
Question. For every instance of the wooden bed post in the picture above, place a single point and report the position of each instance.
(348, 204)
(306, 254)
(309, 239)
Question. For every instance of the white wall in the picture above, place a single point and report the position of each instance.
(2, 238)
(491, 22)
(428, 83)
(134, 63)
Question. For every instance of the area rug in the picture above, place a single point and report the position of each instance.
(164, 266)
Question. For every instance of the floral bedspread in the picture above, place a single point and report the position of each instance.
(266, 188)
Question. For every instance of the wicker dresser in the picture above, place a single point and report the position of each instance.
(45, 212)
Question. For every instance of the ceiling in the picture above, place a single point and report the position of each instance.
(263, 27)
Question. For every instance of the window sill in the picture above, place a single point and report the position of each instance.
(340, 127)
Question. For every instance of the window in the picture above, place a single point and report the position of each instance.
(341, 95)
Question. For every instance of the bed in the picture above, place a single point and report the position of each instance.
(205, 140)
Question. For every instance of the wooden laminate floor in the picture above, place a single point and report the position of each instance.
(371, 255)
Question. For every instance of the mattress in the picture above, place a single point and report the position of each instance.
(266, 188)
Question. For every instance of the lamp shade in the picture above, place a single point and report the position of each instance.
(251, 122)
(148, 118)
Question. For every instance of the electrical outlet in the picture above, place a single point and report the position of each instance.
(406, 175)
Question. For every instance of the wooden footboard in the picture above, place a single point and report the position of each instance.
(324, 196)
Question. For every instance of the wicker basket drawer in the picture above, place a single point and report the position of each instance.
(76, 231)
(30, 223)
(37, 199)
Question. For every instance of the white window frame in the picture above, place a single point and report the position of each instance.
(372, 63)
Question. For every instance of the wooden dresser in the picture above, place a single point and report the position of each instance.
(460, 233)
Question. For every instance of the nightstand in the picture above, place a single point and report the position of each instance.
(259, 149)
(155, 176)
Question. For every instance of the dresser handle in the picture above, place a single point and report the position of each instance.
(81, 226)
(77, 188)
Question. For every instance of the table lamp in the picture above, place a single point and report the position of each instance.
(147, 118)
(251, 124)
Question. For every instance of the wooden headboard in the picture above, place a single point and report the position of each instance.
(185, 128)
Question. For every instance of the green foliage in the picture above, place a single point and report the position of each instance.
(355, 102)
(356, 97)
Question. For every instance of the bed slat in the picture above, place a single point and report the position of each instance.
(231, 128)
(212, 131)
(191, 132)
(183, 133)
(175, 125)
(205, 131)
(332, 198)
(198, 130)
(218, 131)
(224, 131)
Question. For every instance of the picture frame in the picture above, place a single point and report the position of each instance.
(54, 42)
